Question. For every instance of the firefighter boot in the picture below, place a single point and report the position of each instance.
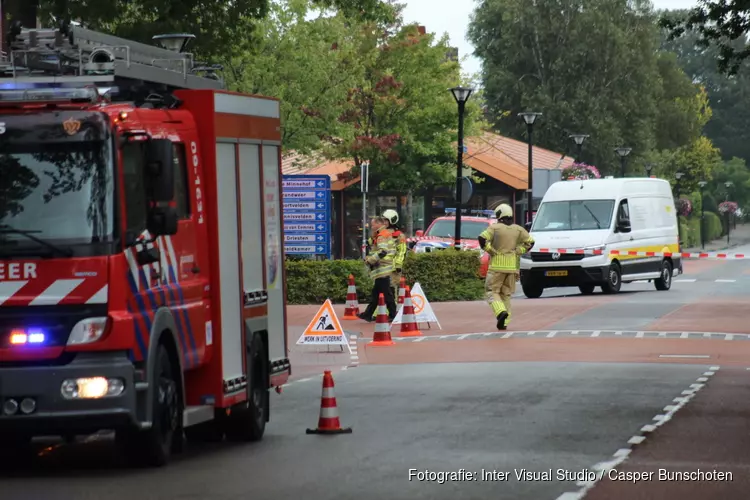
(501, 320)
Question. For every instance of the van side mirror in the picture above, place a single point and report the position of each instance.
(159, 170)
(162, 221)
(623, 226)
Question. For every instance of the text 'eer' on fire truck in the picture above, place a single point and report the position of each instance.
(141, 265)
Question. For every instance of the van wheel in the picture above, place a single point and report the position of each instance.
(614, 279)
(586, 289)
(532, 290)
(664, 282)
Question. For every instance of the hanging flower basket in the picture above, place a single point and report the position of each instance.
(684, 207)
(728, 207)
(578, 171)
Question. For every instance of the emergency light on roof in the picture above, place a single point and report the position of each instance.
(86, 94)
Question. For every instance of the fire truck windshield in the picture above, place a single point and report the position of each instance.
(61, 192)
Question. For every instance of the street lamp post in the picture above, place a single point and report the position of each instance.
(530, 117)
(649, 167)
(702, 185)
(579, 140)
(728, 184)
(622, 152)
(461, 95)
(678, 176)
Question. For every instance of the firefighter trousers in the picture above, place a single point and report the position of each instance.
(500, 287)
(381, 285)
(395, 281)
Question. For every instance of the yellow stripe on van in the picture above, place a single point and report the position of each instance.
(673, 248)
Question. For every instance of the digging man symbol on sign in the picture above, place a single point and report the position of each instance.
(321, 323)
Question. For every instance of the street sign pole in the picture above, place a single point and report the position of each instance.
(364, 178)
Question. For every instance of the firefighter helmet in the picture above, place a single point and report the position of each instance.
(503, 211)
(391, 215)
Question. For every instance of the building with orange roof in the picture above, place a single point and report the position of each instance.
(499, 162)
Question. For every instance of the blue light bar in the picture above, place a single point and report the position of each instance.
(25, 337)
(90, 94)
(488, 213)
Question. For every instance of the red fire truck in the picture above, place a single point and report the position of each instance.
(141, 265)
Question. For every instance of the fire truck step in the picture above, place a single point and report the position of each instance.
(197, 414)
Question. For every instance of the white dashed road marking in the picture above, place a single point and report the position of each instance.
(622, 454)
(585, 334)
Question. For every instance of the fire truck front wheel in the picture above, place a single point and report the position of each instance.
(154, 446)
(249, 423)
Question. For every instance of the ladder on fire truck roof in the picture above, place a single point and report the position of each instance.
(72, 56)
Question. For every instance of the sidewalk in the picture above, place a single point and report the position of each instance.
(737, 237)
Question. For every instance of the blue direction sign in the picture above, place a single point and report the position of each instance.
(307, 214)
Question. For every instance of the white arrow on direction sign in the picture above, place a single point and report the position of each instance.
(321, 183)
(320, 238)
(320, 249)
(321, 194)
(321, 216)
(321, 227)
(321, 205)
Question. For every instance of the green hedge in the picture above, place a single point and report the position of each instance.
(690, 229)
(444, 275)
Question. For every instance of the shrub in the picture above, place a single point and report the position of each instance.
(714, 228)
(444, 275)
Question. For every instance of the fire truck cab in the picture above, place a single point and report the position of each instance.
(142, 281)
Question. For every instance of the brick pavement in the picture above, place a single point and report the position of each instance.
(709, 433)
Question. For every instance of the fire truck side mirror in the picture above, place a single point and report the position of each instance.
(527, 226)
(160, 169)
(162, 221)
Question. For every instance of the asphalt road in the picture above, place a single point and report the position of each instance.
(476, 402)
(501, 417)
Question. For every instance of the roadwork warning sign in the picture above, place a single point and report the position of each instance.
(324, 329)
(423, 312)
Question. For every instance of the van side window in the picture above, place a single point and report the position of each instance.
(181, 193)
(623, 214)
(135, 190)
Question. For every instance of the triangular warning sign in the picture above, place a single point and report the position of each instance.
(423, 312)
(324, 329)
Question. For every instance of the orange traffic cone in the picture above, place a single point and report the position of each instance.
(382, 335)
(401, 290)
(352, 304)
(409, 326)
(328, 422)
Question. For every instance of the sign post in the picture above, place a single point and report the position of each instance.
(307, 214)
(364, 178)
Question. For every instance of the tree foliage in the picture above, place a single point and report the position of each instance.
(400, 117)
(537, 56)
(721, 23)
(729, 96)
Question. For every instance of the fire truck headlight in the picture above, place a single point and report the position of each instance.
(92, 388)
(88, 330)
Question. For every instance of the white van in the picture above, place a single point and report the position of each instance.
(629, 214)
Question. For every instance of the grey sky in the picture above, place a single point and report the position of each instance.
(449, 16)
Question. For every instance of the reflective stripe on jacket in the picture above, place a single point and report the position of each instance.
(382, 267)
(400, 241)
(505, 244)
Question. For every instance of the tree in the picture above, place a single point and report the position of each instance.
(729, 95)
(697, 161)
(400, 116)
(309, 64)
(722, 23)
(537, 56)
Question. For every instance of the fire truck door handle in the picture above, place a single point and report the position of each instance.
(195, 270)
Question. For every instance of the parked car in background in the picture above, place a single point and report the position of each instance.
(439, 235)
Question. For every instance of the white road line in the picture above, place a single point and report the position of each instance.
(620, 455)
(725, 281)
(684, 281)
(639, 335)
(464, 336)
(702, 356)
(551, 334)
(596, 333)
(509, 334)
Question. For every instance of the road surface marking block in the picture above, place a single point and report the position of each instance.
(636, 440)
(324, 329)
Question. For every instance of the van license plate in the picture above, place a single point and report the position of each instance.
(556, 273)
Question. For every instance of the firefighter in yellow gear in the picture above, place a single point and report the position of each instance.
(505, 242)
(400, 241)
(380, 262)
